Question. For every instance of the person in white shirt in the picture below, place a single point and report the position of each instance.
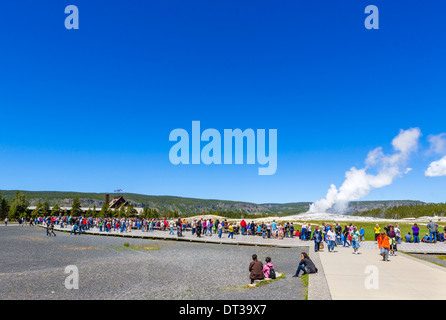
(331, 237)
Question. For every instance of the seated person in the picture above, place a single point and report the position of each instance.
(305, 265)
(267, 269)
(441, 237)
(256, 269)
(426, 238)
(408, 237)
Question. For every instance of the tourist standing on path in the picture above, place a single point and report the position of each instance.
(179, 228)
(220, 229)
(392, 240)
(303, 232)
(171, 227)
(193, 225)
(345, 234)
(199, 226)
(6, 221)
(263, 230)
(416, 232)
(362, 233)
(122, 225)
(280, 229)
(338, 230)
(243, 226)
(209, 226)
(356, 238)
(231, 231)
(385, 245)
(317, 237)
(274, 227)
(377, 232)
(305, 265)
(268, 230)
(398, 233)
(331, 237)
(256, 269)
(432, 226)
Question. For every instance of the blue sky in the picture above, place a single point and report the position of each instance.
(91, 109)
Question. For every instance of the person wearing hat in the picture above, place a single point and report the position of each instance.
(317, 237)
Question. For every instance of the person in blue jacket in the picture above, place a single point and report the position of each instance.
(317, 237)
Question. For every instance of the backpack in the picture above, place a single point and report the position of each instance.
(272, 273)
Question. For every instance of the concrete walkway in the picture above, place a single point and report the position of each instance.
(366, 277)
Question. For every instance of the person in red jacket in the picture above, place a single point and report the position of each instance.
(243, 226)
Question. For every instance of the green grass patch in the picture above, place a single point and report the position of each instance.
(305, 279)
(264, 282)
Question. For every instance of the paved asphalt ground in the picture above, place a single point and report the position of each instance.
(366, 277)
(32, 266)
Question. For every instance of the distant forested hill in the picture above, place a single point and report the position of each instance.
(190, 206)
(186, 206)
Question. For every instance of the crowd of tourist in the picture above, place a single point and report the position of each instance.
(326, 234)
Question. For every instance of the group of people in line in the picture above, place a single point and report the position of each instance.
(432, 236)
(329, 234)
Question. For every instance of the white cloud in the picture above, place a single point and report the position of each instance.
(438, 143)
(436, 168)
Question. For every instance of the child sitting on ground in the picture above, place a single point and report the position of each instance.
(268, 269)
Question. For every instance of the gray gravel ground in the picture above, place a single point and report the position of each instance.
(32, 266)
(430, 257)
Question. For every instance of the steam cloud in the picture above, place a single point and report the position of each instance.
(358, 182)
(438, 146)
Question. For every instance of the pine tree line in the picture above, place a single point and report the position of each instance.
(406, 211)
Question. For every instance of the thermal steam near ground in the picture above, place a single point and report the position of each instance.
(359, 182)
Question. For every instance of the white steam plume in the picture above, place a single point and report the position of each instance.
(358, 183)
